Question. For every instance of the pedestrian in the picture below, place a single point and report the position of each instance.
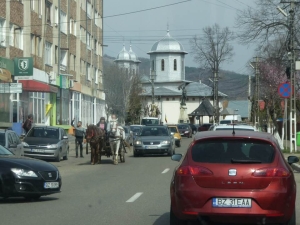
(79, 134)
(28, 123)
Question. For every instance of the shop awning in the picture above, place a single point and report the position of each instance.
(36, 86)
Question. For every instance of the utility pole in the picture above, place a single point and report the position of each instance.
(216, 94)
(58, 66)
(292, 80)
(152, 77)
(249, 97)
(257, 90)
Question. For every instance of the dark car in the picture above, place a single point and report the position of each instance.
(46, 142)
(185, 130)
(204, 127)
(238, 177)
(154, 139)
(27, 177)
(10, 139)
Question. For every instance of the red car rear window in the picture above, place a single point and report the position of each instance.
(233, 151)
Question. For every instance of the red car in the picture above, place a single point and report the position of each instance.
(204, 127)
(233, 177)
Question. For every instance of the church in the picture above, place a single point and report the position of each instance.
(165, 83)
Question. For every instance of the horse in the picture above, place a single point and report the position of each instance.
(116, 134)
(96, 138)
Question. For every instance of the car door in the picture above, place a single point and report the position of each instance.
(16, 139)
(10, 143)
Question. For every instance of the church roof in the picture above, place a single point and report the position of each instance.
(123, 54)
(204, 109)
(162, 91)
(167, 44)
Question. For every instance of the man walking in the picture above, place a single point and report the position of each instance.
(28, 123)
(79, 134)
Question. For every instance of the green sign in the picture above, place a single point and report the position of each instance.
(7, 64)
(63, 81)
(23, 66)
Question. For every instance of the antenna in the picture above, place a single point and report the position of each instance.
(233, 132)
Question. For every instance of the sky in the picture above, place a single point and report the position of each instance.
(142, 22)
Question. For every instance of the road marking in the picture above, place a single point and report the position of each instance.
(165, 171)
(135, 197)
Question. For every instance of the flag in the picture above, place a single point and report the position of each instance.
(166, 118)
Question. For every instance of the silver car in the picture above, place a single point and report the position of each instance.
(10, 140)
(46, 142)
(128, 135)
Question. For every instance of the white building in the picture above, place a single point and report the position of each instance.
(168, 72)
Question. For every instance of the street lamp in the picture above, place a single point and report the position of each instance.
(152, 78)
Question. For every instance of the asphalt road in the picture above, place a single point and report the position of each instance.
(132, 193)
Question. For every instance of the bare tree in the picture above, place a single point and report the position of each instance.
(210, 50)
(264, 22)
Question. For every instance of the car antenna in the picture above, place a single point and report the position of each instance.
(233, 132)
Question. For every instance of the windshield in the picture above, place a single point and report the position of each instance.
(2, 139)
(150, 121)
(225, 121)
(173, 129)
(222, 151)
(42, 132)
(4, 151)
(183, 127)
(154, 131)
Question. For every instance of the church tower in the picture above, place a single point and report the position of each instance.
(128, 60)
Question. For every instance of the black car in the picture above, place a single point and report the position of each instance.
(185, 130)
(27, 177)
(194, 128)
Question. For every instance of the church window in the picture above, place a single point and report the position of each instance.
(175, 65)
(153, 65)
(162, 65)
(173, 99)
(167, 99)
(193, 99)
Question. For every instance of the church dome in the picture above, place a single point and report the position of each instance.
(132, 54)
(167, 44)
(123, 55)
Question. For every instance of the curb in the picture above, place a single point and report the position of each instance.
(296, 167)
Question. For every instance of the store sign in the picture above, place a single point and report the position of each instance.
(7, 64)
(10, 88)
(23, 67)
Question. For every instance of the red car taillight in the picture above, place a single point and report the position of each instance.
(194, 170)
(271, 172)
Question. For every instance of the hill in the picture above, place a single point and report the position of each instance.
(230, 83)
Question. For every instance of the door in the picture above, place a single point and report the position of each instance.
(17, 141)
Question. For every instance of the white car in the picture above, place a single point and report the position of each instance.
(231, 127)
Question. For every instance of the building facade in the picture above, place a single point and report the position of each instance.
(64, 40)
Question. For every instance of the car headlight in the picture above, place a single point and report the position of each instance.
(186, 131)
(52, 146)
(23, 173)
(165, 142)
(176, 138)
(25, 144)
(138, 142)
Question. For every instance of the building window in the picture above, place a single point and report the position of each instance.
(193, 99)
(56, 15)
(63, 59)
(48, 53)
(89, 10)
(16, 36)
(76, 98)
(82, 34)
(37, 102)
(167, 99)
(162, 65)
(39, 7)
(2, 32)
(73, 27)
(62, 109)
(175, 65)
(56, 54)
(63, 22)
(173, 99)
(88, 40)
(88, 71)
(96, 75)
(48, 12)
(83, 5)
(32, 5)
(153, 68)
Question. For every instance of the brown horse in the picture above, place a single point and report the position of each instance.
(95, 137)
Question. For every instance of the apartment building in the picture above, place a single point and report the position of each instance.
(60, 42)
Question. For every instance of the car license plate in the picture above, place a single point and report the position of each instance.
(232, 202)
(37, 150)
(48, 185)
(151, 147)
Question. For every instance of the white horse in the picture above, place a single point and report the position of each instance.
(116, 134)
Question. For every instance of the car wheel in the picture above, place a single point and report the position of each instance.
(292, 220)
(174, 220)
(67, 154)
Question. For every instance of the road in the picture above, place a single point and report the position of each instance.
(132, 193)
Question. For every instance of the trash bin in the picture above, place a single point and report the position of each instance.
(298, 139)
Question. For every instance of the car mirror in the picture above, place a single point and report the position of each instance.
(293, 159)
(65, 137)
(176, 157)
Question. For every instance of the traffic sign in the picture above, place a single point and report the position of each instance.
(10, 88)
(284, 90)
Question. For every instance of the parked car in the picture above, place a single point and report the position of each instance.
(10, 140)
(194, 128)
(255, 184)
(154, 139)
(185, 130)
(27, 177)
(175, 132)
(204, 127)
(46, 142)
(128, 135)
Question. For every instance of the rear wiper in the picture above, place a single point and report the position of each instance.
(245, 161)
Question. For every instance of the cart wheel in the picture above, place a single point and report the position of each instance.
(122, 156)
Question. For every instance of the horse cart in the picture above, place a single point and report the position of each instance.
(100, 145)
